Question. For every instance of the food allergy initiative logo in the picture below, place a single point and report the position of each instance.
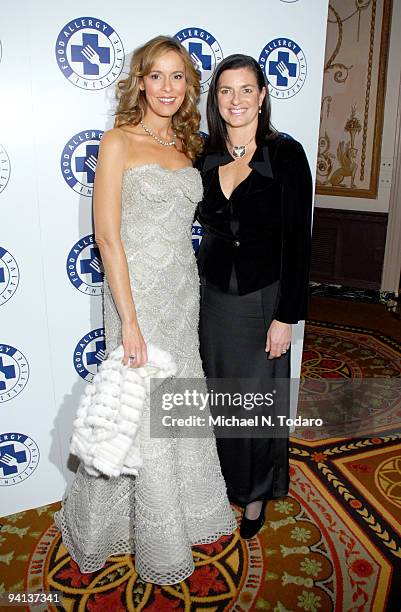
(197, 233)
(19, 458)
(284, 64)
(5, 168)
(9, 275)
(89, 354)
(204, 50)
(84, 266)
(89, 53)
(79, 159)
(14, 372)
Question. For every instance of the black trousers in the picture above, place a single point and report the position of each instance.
(232, 342)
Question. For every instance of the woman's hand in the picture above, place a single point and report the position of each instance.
(278, 339)
(135, 352)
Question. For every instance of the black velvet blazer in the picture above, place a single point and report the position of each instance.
(264, 228)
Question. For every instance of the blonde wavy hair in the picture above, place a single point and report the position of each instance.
(132, 101)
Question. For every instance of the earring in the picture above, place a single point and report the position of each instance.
(260, 110)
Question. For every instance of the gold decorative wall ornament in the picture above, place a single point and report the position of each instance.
(351, 117)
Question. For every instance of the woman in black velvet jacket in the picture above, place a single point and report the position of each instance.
(254, 263)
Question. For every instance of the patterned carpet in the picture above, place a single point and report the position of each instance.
(333, 544)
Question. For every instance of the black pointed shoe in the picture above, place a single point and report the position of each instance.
(250, 527)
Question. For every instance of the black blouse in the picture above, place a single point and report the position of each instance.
(263, 229)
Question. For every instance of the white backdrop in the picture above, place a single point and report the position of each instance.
(58, 68)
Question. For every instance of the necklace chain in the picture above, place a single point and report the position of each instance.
(239, 151)
(165, 143)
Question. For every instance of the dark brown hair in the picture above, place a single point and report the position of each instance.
(216, 124)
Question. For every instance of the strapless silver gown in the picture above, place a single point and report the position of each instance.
(179, 497)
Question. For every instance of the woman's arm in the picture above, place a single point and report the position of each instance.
(296, 211)
(107, 219)
(296, 216)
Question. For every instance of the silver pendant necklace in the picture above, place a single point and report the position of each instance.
(238, 151)
(165, 143)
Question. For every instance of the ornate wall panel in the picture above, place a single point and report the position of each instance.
(351, 117)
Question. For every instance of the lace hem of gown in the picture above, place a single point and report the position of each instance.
(86, 542)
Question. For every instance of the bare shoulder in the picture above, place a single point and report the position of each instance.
(113, 150)
(113, 140)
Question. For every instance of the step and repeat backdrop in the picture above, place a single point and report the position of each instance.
(59, 64)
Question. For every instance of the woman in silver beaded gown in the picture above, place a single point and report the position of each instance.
(146, 192)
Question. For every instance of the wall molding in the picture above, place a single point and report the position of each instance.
(392, 254)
